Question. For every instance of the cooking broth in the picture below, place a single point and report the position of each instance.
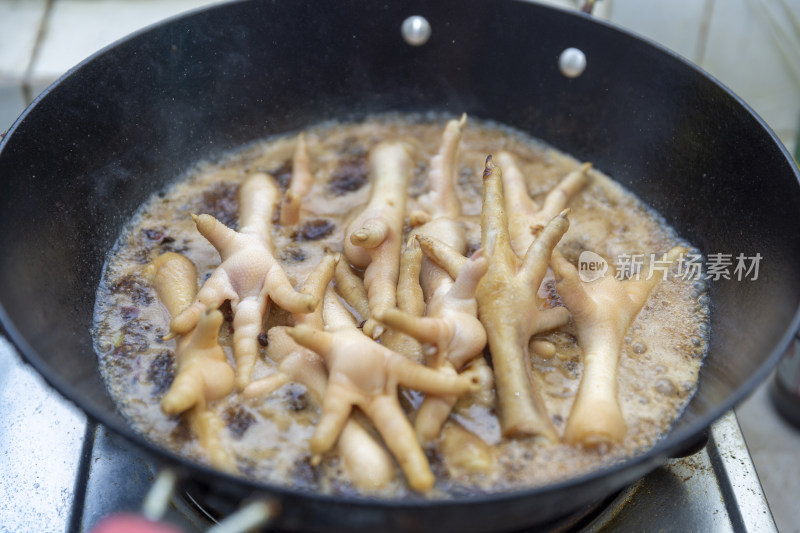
(658, 369)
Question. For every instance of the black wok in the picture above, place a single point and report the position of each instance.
(133, 117)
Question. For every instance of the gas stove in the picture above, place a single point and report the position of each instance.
(62, 472)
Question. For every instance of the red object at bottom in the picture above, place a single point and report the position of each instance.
(132, 523)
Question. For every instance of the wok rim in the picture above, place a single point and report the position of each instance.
(649, 459)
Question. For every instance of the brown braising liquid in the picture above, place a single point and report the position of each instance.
(663, 349)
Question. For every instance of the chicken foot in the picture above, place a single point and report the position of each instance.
(508, 308)
(602, 311)
(351, 288)
(419, 277)
(248, 276)
(203, 373)
(441, 199)
(453, 334)
(442, 207)
(451, 327)
(526, 218)
(368, 465)
(409, 300)
(464, 452)
(364, 374)
(444, 255)
(373, 239)
(452, 262)
(300, 184)
(296, 363)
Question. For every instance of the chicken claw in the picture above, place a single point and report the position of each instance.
(602, 311)
(248, 276)
(364, 374)
(409, 300)
(452, 329)
(296, 363)
(441, 253)
(366, 462)
(351, 288)
(442, 207)
(525, 217)
(203, 373)
(441, 199)
(508, 308)
(465, 452)
(302, 179)
(373, 239)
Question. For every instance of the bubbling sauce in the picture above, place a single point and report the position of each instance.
(658, 369)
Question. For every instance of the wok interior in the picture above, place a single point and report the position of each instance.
(135, 117)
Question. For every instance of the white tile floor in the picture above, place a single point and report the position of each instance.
(102, 23)
(68, 31)
(19, 28)
(760, 60)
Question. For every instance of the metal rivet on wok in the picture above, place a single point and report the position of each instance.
(416, 30)
(572, 62)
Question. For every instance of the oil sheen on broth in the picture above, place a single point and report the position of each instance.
(659, 366)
